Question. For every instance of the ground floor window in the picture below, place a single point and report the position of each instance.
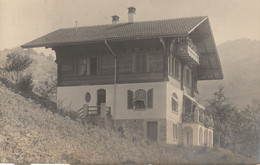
(175, 131)
(140, 99)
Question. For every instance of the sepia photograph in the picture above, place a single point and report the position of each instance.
(129, 82)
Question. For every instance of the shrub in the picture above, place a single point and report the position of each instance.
(26, 83)
(17, 63)
(47, 88)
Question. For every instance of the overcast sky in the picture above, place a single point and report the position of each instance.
(24, 20)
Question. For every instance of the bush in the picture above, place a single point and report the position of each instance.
(17, 63)
(47, 88)
(26, 83)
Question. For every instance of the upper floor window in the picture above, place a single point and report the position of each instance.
(174, 67)
(174, 102)
(140, 99)
(141, 64)
(66, 67)
(187, 79)
(87, 66)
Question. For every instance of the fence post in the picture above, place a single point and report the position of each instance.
(103, 109)
(85, 110)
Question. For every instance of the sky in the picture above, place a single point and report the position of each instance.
(24, 20)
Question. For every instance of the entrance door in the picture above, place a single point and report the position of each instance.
(101, 98)
(152, 131)
(188, 135)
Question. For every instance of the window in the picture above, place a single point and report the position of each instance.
(93, 65)
(66, 67)
(139, 104)
(177, 73)
(140, 64)
(175, 131)
(140, 99)
(188, 77)
(82, 67)
(174, 67)
(170, 65)
(174, 103)
(87, 66)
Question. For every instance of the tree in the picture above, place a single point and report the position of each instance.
(26, 83)
(247, 135)
(223, 113)
(17, 63)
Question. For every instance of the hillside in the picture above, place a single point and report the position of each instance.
(240, 61)
(42, 66)
(32, 134)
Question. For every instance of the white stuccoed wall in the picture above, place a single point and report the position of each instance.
(75, 97)
(159, 104)
(173, 88)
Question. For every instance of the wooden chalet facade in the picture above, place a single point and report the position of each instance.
(147, 72)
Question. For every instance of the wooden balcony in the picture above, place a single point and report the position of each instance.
(187, 54)
(198, 116)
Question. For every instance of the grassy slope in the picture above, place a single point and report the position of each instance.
(30, 133)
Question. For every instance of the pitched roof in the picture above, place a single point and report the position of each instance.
(122, 31)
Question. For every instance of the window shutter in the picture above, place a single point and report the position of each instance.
(130, 99)
(150, 98)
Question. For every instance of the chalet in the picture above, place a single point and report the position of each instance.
(146, 72)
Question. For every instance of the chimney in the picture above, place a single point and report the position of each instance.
(131, 12)
(115, 19)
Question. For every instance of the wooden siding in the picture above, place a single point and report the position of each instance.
(107, 65)
(140, 77)
(125, 51)
(157, 63)
(86, 80)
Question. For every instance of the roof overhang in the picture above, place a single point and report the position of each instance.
(210, 66)
(198, 28)
(53, 44)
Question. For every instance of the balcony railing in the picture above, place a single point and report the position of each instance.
(87, 111)
(187, 53)
(198, 116)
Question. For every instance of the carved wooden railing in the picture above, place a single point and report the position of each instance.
(198, 116)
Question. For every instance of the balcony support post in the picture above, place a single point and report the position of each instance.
(196, 115)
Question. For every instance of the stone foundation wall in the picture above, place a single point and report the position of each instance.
(169, 134)
(131, 125)
(139, 126)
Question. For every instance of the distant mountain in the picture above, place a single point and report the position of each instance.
(240, 61)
